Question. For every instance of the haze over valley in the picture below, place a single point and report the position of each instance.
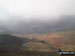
(36, 27)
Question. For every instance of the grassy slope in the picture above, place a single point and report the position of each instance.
(36, 46)
(63, 39)
(69, 40)
(11, 43)
(67, 43)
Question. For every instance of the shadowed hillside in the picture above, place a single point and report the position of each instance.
(9, 42)
(13, 46)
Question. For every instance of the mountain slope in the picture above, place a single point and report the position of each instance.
(61, 39)
(9, 42)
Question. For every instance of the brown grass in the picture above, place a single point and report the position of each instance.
(64, 40)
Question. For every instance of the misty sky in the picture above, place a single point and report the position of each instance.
(36, 8)
(35, 15)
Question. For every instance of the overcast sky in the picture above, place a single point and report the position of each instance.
(36, 8)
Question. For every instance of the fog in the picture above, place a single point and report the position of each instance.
(36, 16)
(38, 8)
